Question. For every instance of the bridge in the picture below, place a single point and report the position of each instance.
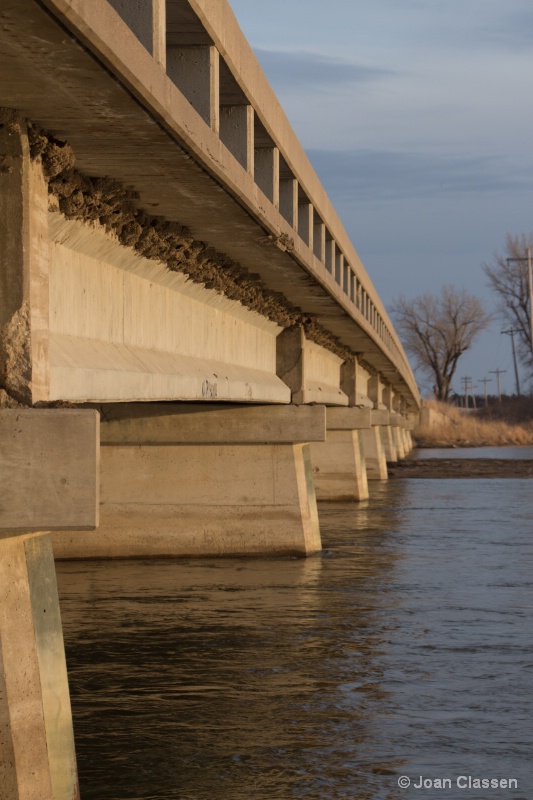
(191, 351)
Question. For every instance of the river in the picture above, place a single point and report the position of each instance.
(403, 651)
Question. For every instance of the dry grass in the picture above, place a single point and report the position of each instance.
(460, 428)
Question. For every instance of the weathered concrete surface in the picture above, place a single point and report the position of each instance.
(345, 419)
(339, 469)
(376, 463)
(24, 306)
(201, 500)
(49, 469)
(194, 423)
(37, 759)
(389, 446)
(398, 441)
(312, 373)
(124, 327)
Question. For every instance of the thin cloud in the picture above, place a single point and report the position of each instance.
(514, 31)
(305, 69)
(368, 174)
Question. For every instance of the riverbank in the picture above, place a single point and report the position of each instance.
(461, 468)
(505, 424)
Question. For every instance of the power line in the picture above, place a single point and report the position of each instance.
(466, 380)
(511, 332)
(498, 372)
(484, 381)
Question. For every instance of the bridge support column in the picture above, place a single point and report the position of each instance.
(339, 470)
(37, 758)
(397, 428)
(376, 462)
(204, 480)
(389, 445)
(48, 478)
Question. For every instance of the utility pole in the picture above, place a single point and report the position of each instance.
(511, 332)
(466, 380)
(484, 381)
(498, 372)
(472, 387)
(530, 284)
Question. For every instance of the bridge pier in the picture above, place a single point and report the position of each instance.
(397, 431)
(389, 446)
(48, 475)
(203, 480)
(339, 469)
(375, 459)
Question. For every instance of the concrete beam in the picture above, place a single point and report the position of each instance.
(343, 419)
(379, 417)
(49, 471)
(189, 423)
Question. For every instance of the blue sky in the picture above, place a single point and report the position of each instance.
(417, 116)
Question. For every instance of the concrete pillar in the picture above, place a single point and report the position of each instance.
(339, 267)
(48, 474)
(376, 463)
(204, 480)
(266, 171)
(339, 470)
(388, 444)
(305, 223)
(24, 293)
(195, 71)
(237, 133)
(288, 200)
(37, 758)
(398, 440)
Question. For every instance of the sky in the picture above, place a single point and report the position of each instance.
(417, 116)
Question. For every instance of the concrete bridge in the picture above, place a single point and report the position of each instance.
(191, 351)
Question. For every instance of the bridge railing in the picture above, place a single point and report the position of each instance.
(201, 49)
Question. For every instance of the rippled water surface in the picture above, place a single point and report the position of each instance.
(404, 649)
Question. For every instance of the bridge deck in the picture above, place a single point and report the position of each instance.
(82, 73)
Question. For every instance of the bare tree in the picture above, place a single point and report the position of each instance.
(510, 282)
(436, 331)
